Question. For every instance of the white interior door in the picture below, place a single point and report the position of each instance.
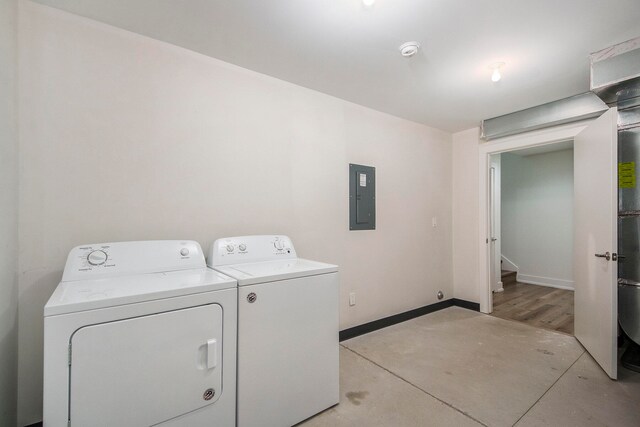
(595, 240)
(494, 223)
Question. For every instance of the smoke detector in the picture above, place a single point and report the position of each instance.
(409, 49)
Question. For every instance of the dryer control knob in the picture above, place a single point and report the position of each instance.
(184, 251)
(242, 247)
(279, 245)
(230, 247)
(97, 257)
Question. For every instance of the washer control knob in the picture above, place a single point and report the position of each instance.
(242, 247)
(184, 251)
(278, 245)
(230, 247)
(97, 257)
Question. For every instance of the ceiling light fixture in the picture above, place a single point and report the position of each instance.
(368, 3)
(409, 49)
(496, 67)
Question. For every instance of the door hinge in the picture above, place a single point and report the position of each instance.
(69, 357)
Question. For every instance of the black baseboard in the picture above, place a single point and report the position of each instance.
(466, 304)
(35, 425)
(403, 317)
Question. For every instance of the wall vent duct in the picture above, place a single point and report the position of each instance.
(573, 109)
(615, 74)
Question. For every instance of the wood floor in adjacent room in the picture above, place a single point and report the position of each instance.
(535, 305)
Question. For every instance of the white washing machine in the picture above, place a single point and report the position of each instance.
(288, 368)
(140, 334)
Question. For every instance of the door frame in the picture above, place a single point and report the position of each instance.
(495, 226)
(556, 134)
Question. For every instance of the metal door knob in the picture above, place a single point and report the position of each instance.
(605, 255)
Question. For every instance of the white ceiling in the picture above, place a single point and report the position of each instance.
(341, 48)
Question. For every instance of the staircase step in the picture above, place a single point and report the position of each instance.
(508, 277)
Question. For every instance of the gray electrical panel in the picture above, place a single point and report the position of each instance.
(362, 197)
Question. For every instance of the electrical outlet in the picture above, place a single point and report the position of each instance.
(434, 222)
(352, 299)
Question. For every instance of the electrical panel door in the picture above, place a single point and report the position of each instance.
(362, 197)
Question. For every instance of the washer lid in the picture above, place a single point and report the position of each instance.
(270, 271)
(82, 295)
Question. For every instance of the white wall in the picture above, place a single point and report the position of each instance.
(537, 216)
(8, 212)
(127, 138)
(465, 215)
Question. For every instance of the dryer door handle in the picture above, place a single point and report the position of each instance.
(212, 353)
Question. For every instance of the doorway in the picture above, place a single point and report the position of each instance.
(595, 228)
(531, 221)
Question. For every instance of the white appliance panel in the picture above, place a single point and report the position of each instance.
(287, 350)
(146, 370)
(95, 261)
(245, 249)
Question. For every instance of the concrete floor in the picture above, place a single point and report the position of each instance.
(457, 367)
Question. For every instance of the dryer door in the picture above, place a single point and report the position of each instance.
(146, 370)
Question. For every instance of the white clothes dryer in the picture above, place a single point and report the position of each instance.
(288, 344)
(140, 334)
